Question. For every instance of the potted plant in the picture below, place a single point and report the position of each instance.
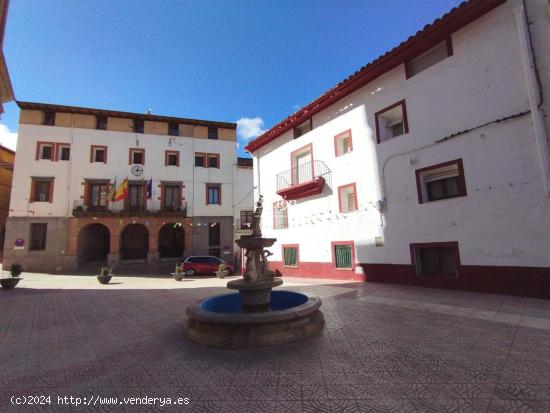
(222, 271)
(11, 282)
(178, 272)
(105, 275)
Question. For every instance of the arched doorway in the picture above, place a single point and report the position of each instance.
(93, 243)
(171, 241)
(134, 242)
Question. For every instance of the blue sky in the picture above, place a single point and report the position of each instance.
(254, 61)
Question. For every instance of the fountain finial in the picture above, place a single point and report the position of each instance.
(256, 218)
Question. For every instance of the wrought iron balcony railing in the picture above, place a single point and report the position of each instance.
(314, 172)
(119, 208)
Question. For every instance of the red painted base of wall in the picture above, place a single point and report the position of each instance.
(521, 281)
(324, 270)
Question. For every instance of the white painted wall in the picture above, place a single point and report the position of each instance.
(505, 217)
(70, 175)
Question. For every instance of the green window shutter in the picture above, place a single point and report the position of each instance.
(290, 256)
(342, 254)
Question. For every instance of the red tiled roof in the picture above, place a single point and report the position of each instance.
(423, 40)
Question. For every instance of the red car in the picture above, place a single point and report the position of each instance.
(204, 264)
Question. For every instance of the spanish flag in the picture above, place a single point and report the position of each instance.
(122, 190)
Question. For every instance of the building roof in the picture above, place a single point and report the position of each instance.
(48, 107)
(3, 148)
(423, 40)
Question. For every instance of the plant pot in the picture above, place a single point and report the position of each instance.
(9, 283)
(104, 279)
(178, 276)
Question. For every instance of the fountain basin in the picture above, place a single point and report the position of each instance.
(219, 321)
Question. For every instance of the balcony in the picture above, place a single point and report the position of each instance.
(303, 180)
(119, 209)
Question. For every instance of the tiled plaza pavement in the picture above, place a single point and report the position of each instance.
(385, 348)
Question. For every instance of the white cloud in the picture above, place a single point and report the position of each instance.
(296, 107)
(249, 128)
(7, 138)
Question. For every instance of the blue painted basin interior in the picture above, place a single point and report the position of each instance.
(231, 303)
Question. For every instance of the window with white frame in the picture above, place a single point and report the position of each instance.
(280, 216)
(137, 156)
(343, 143)
(98, 154)
(45, 151)
(302, 165)
(441, 181)
(347, 198)
(290, 255)
(63, 152)
(303, 128)
(391, 122)
(429, 58)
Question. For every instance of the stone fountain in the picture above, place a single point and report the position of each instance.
(256, 316)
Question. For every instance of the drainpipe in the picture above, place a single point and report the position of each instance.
(526, 55)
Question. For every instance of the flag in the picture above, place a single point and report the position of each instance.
(150, 188)
(122, 191)
(112, 193)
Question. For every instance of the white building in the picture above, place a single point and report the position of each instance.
(428, 166)
(185, 188)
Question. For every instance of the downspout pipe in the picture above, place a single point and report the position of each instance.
(533, 91)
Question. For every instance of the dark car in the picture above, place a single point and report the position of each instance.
(204, 264)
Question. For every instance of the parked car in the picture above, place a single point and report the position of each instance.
(204, 264)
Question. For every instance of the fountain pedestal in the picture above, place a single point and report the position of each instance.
(255, 296)
(256, 316)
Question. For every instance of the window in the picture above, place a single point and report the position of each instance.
(343, 143)
(437, 258)
(213, 194)
(290, 255)
(303, 128)
(41, 190)
(49, 118)
(343, 255)
(302, 165)
(212, 133)
(441, 181)
(200, 159)
(347, 198)
(173, 129)
(214, 234)
(98, 154)
(137, 196)
(391, 122)
(171, 200)
(63, 152)
(38, 237)
(216, 253)
(435, 55)
(101, 123)
(98, 195)
(171, 158)
(213, 160)
(44, 150)
(280, 216)
(138, 125)
(246, 219)
(136, 157)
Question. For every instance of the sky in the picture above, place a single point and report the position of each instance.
(250, 62)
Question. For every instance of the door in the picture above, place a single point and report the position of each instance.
(304, 169)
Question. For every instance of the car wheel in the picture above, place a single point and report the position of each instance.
(190, 272)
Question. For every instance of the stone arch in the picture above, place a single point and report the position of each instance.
(93, 243)
(134, 242)
(171, 242)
